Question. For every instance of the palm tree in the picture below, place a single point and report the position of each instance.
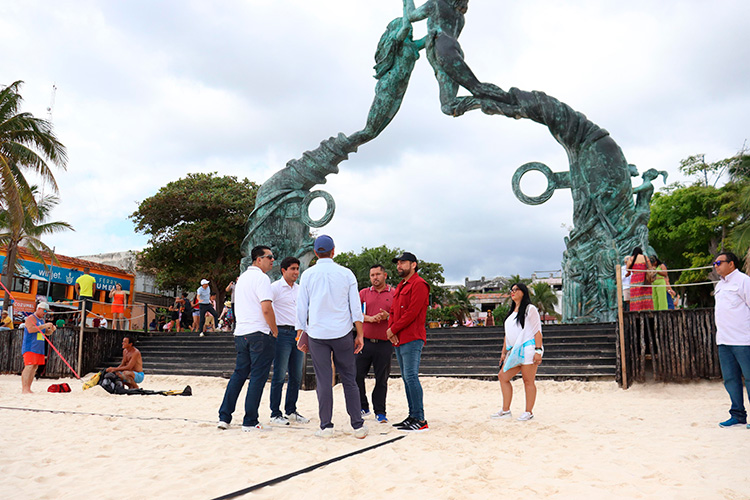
(34, 225)
(460, 298)
(26, 145)
(512, 280)
(544, 298)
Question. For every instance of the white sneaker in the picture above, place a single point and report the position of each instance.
(527, 415)
(252, 428)
(324, 433)
(362, 432)
(501, 415)
(201, 335)
(296, 417)
(222, 425)
(279, 421)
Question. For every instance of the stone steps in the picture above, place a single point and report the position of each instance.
(571, 351)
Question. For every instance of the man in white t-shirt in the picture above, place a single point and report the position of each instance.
(288, 358)
(732, 315)
(254, 338)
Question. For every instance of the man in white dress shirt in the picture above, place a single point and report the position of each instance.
(327, 305)
(254, 340)
(732, 295)
(288, 358)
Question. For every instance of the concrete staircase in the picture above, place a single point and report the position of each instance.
(571, 351)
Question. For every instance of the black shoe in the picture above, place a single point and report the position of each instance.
(403, 422)
(415, 426)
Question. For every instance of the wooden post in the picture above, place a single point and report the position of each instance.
(145, 317)
(618, 278)
(80, 336)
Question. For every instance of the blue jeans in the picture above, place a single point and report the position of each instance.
(409, 356)
(287, 358)
(254, 357)
(735, 363)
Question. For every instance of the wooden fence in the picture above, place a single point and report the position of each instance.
(681, 345)
(99, 345)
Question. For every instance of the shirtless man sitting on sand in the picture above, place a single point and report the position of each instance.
(131, 368)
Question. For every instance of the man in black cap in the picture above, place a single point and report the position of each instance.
(406, 330)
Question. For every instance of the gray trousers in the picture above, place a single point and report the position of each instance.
(342, 350)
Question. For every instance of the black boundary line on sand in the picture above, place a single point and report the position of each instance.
(311, 468)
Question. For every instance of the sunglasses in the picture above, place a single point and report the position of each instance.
(718, 262)
(269, 257)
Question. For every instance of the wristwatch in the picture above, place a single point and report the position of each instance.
(540, 350)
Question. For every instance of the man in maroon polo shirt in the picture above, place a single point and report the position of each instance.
(406, 330)
(378, 351)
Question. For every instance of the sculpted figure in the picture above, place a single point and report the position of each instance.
(445, 21)
(394, 61)
(645, 191)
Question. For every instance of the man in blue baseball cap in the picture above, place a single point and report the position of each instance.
(327, 306)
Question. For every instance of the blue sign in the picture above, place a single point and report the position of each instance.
(55, 274)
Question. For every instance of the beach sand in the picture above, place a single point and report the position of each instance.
(587, 440)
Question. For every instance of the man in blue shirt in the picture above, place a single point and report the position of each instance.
(34, 329)
(327, 305)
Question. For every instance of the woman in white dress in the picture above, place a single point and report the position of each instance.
(522, 351)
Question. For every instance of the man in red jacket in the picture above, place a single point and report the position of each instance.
(406, 330)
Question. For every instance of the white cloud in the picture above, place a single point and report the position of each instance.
(149, 91)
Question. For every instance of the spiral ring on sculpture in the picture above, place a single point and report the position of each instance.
(546, 171)
(330, 209)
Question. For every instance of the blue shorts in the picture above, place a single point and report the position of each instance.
(138, 377)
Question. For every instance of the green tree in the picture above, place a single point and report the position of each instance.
(195, 226)
(509, 282)
(27, 144)
(689, 225)
(544, 298)
(360, 264)
(33, 227)
(460, 299)
(500, 312)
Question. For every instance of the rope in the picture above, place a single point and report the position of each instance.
(669, 270)
(42, 410)
(61, 356)
(672, 285)
(311, 468)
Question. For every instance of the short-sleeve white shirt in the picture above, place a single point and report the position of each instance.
(732, 313)
(285, 302)
(532, 324)
(252, 288)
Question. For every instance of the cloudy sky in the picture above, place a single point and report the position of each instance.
(148, 91)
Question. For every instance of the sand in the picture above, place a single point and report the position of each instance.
(587, 440)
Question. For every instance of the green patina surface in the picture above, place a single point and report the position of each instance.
(607, 222)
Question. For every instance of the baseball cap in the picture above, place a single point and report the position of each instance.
(323, 243)
(405, 256)
(205, 282)
(43, 305)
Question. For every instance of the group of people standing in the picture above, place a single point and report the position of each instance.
(342, 328)
(646, 285)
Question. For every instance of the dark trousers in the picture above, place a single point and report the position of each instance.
(254, 357)
(342, 350)
(378, 355)
(204, 308)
